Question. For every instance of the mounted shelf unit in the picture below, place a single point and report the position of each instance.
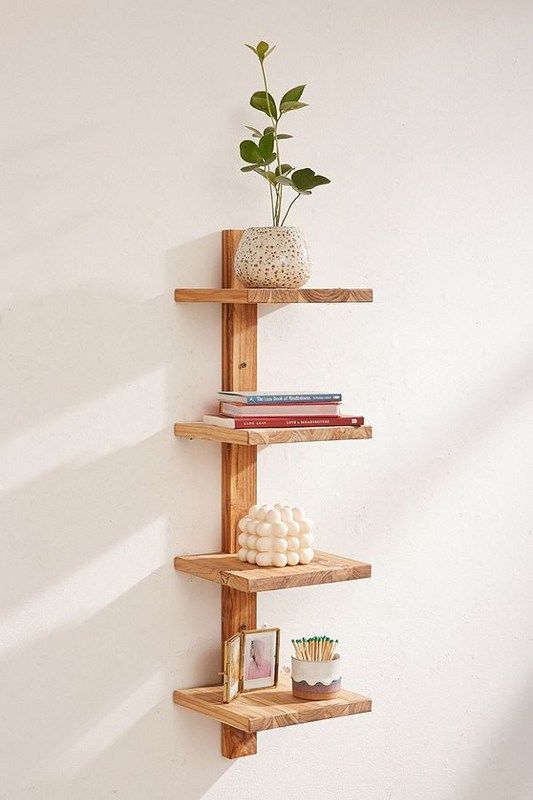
(270, 708)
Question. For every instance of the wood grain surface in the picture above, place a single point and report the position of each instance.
(229, 571)
(266, 436)
(278, 296)
(239, 469)
(269, 708)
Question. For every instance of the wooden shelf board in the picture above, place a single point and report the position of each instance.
(229, 571)
(278, 296)
(269, 708)
(264, 436)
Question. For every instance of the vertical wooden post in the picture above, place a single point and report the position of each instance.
(239, 466)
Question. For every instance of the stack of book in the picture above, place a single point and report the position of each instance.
(281, 410)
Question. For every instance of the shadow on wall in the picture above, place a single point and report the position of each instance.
(94, 621)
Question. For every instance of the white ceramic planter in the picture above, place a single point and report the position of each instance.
(316, 680)
(273, 257)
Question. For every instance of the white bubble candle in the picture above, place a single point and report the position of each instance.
(276, 536)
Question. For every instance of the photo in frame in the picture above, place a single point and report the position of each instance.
(259, 659)
(232, 667)
(251, 662)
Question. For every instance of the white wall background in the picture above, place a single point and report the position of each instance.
(119, 167)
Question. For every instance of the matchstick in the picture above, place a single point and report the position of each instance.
(317, 648)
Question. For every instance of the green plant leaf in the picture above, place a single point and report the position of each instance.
(306, 179)
(270, 50)
(255, 132)
(302, 178)
(262, 49)
(251, 168)
(291, 105)
(293, 94)
(320, 180)
(259, 101)
(278, 135)
(283, 169)
(283, 179)
(271, 178)
(251, 47)
(270, 159)
(250, 152)
(266, 144)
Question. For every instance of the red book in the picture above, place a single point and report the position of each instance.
(282, 422)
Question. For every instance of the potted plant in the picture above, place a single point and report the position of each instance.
(277, 255)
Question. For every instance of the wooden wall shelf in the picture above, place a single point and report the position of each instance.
(276, 296)
(269, 708)
(227, 570)
(265, 436)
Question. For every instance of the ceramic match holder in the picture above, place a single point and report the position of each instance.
(316, 680)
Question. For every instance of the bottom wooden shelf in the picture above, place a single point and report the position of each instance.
(269, 708)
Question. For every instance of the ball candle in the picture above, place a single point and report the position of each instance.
(264, 529)
(273, 515)
(293, 543)
(293, 527)
(265, 544)
(286, 514)
(279, 529)
(275, 535)
(306, 555)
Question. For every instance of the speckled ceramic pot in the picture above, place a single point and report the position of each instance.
(273, 257)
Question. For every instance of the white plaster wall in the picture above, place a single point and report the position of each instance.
(119, 167)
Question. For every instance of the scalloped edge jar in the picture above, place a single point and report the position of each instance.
(316, 680)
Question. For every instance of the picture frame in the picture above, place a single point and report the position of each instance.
(259, 659)
(251, 662)
(232, 667)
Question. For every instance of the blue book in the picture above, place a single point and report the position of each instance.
(270, 398)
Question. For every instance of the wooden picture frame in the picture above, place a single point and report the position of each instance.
(252, 674)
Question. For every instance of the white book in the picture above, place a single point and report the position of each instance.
(292, 410)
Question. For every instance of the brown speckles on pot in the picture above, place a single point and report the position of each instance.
(273, 257)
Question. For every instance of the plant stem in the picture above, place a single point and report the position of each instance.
(274, 121)
(271, 202)
(289, 208)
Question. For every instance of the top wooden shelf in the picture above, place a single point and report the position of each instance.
(278, 296)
